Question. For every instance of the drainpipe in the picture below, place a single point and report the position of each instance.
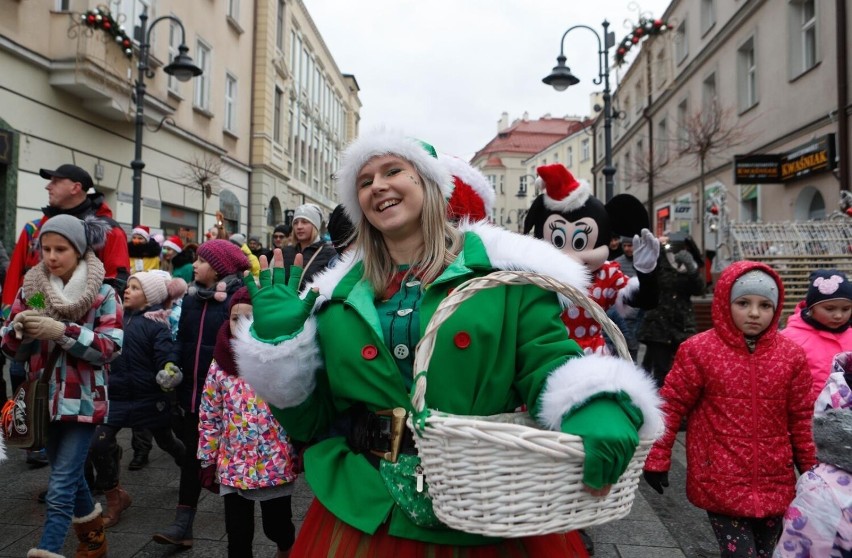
(842, 95)
(249, 222)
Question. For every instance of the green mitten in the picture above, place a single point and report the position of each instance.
(279, 312)
(609, 427)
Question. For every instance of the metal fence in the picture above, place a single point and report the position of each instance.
(808, 238)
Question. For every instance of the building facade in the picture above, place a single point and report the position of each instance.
(757, 81)
(304, 113)
(67, 96)
(505, 161)
(254, 135)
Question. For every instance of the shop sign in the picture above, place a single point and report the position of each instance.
(813, 157)
(683, 209)
(757, 169)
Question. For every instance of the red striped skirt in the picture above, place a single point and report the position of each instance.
(322, 535)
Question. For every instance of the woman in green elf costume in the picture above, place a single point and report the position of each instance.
(330, 360)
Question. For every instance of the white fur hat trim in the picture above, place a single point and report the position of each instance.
(385, 142)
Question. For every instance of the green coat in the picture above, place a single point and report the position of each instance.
(518, 347)
(477, 380)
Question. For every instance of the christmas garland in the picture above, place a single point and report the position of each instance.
(101, 18)
(646, 28)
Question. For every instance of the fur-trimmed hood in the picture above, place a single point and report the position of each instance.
(505, 250)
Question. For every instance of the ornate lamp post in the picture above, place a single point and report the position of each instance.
(561, 78)
(182, 68)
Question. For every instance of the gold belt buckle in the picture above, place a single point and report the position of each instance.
(397, 416)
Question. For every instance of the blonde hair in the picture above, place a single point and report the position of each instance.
(441, 243)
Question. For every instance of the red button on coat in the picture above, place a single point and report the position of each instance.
(462, 340)
(369, 352)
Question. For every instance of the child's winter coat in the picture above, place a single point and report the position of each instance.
(819, 521)
(238, 433)
(93, 337)
(748, 414)
(820, 346)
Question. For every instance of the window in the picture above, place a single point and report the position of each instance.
(803, 36)
(131, 10)
(708, 90)
(584, 150)
(63, 5)
(174, 42)
(628, 170)
(625, 108)
(234, 9)
(279, 30)
(276, 116)
(202, 82)
(570, 160)
(708, 15)
(639, 96)
(230, 103)
(681, 42)
(746, 76)
(662, 141)
(682, 122)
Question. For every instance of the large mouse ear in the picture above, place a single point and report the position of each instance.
(627, 215)
(536, 217)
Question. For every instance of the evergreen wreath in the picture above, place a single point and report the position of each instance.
(647, 28)
(101, 18)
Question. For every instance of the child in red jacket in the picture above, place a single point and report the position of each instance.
(745, 391)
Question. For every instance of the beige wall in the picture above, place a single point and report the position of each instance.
(326, 106)
(67, 93)
(791, 109)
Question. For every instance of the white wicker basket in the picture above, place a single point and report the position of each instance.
(504, 475)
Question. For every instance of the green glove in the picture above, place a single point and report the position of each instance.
(609, 427)
(284, 313)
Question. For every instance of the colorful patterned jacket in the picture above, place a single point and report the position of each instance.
(78, 385)
(238, 433)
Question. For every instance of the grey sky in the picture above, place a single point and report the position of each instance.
(444, 70)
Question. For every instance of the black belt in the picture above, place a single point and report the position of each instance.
(380, 435)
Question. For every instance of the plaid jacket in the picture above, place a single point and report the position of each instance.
(78, 385)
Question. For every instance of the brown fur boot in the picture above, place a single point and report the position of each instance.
(118, 500)
(90, 533)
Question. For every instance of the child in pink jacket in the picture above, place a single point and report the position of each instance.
(820, 323)
(819, 521)
(243, 448)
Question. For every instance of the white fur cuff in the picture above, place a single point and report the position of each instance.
(283, 375)
(579, 379)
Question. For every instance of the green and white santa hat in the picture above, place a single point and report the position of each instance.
(387, 142)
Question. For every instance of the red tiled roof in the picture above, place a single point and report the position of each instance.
(530, 136)
(494, 161)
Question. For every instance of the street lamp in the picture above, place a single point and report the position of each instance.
(520, 214)
(561, 78)
(182, 68)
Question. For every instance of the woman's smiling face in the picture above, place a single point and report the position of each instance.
(390, 193)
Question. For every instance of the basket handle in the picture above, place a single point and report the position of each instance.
(426, 346)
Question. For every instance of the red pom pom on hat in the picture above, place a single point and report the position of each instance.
(473, 196)
(562, 192)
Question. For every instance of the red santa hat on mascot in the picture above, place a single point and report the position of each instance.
(473, 196)
(562, 192)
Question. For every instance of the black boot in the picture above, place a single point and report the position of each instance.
(180, 531)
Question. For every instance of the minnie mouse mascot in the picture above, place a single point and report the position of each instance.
(571, 219)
